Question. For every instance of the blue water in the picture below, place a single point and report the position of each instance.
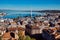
(13, 14)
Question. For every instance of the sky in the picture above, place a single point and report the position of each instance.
(30, 4)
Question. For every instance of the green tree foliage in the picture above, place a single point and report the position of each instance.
(27, 38)
(33, 39)
(20, 36)
(24, 37)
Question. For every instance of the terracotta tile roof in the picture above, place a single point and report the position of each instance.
(12, 29)
(18, 28)
(6, 35)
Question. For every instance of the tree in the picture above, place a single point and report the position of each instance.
(21, 37)
(27, 38)
(24, 37)
(33, 39)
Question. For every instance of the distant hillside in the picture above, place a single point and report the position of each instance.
(49, 11)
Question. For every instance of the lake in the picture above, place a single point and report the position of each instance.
(15, 14)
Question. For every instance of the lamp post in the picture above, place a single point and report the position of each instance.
(31, 13)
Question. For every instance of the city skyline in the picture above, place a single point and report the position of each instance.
(30, 4)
